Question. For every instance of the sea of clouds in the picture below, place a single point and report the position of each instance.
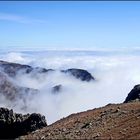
(115, 75)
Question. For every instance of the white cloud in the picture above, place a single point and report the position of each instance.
(19, 19)
(115, 77)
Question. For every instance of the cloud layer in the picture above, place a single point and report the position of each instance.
(115, 76)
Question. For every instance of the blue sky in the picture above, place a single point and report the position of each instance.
(69, 25)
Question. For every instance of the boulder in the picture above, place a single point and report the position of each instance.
(134, 94)
(13, 125)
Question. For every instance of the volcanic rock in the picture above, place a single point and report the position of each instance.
(12, 69)
(80, 74)
(134, 94)
(56, 88)
(99, 123)
(13, 125)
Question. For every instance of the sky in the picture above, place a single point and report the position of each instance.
(69, 25)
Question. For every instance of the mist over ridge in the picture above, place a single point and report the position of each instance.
(115, 74)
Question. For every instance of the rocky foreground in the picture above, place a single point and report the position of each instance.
(13, 125)
(114, 121)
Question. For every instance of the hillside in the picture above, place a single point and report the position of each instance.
(114, 121)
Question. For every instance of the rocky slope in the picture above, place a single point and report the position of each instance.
(13, 125)
(114, 121)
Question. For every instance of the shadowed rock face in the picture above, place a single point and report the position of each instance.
(12, 69)
(56, 88)
(134, 94)
(13, 125)
(80, 74)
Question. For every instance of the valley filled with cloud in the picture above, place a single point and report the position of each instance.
(115, 75)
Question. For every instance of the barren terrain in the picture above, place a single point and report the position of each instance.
(114, 121)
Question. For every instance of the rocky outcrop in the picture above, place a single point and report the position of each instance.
(12, 69)
(13, 125)
(80, 74)
(134, 94)
(9, 71)
(56, 88)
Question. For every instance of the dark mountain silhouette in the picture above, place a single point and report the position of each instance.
(13, 125)
(12, 69)
(80, 74)
(134, 94)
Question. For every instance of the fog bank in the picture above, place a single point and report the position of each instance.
(115, 75)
